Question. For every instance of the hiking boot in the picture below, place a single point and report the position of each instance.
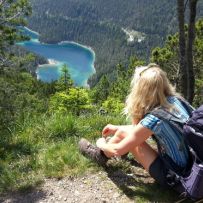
(91, 151)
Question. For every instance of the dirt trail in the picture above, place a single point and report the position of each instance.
(91, 188)
(110, 185)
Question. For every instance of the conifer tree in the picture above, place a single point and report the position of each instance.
(12, 15)
(186, 46)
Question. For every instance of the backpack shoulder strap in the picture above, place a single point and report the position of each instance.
(186, 105)
(164, 114)
(168, 117)
(172, 120)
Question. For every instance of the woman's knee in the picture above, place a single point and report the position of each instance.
(144, 154)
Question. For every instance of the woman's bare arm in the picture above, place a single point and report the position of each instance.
(136, 136)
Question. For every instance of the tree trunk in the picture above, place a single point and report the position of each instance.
(189, 51)
(182, 47)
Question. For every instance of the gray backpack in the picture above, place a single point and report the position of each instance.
(189, 184)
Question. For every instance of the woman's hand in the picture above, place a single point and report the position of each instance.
(125, 139)
(109, 130)
(102, 144)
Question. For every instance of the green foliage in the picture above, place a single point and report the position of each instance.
(198, 99)
(162, 55)
(100, 93)
(17, 92)
(62, 158)
(18, 174)
(60, 127)
(76, 100)
(46, 146)
(65, 82)
(12, 14)
(167, 58)
(113, 105)
(85, 22)
(20, 95)
(120, 87)
(40, 124)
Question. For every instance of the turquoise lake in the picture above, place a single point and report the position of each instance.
(78, 58)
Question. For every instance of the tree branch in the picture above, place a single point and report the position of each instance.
(7, 20)
(4, 62)
(2, 2)
(185, 5)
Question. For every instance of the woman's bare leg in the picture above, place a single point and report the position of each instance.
(119, 135)
(143, 153)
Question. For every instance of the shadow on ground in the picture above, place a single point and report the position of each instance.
(137, 185)
(32, 195)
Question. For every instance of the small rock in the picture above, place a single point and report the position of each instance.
(50, 194)
(103, 201)
(116, 195)
(77, 193)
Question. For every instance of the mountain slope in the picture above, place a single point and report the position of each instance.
(99, 24)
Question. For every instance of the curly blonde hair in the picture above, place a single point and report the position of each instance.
(150, 88)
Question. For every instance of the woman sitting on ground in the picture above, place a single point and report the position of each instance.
(150, 89)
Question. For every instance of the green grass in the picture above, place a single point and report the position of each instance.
(62, 159)
(46, 147)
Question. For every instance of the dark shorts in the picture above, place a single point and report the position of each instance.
(165, 177)
(159, 171)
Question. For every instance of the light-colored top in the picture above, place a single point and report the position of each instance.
(170, 139)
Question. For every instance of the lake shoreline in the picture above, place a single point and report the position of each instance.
(84, 47)
(89, 48)
(56, 60)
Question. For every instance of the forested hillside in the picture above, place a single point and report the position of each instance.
(41, 123)
(99, 24)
